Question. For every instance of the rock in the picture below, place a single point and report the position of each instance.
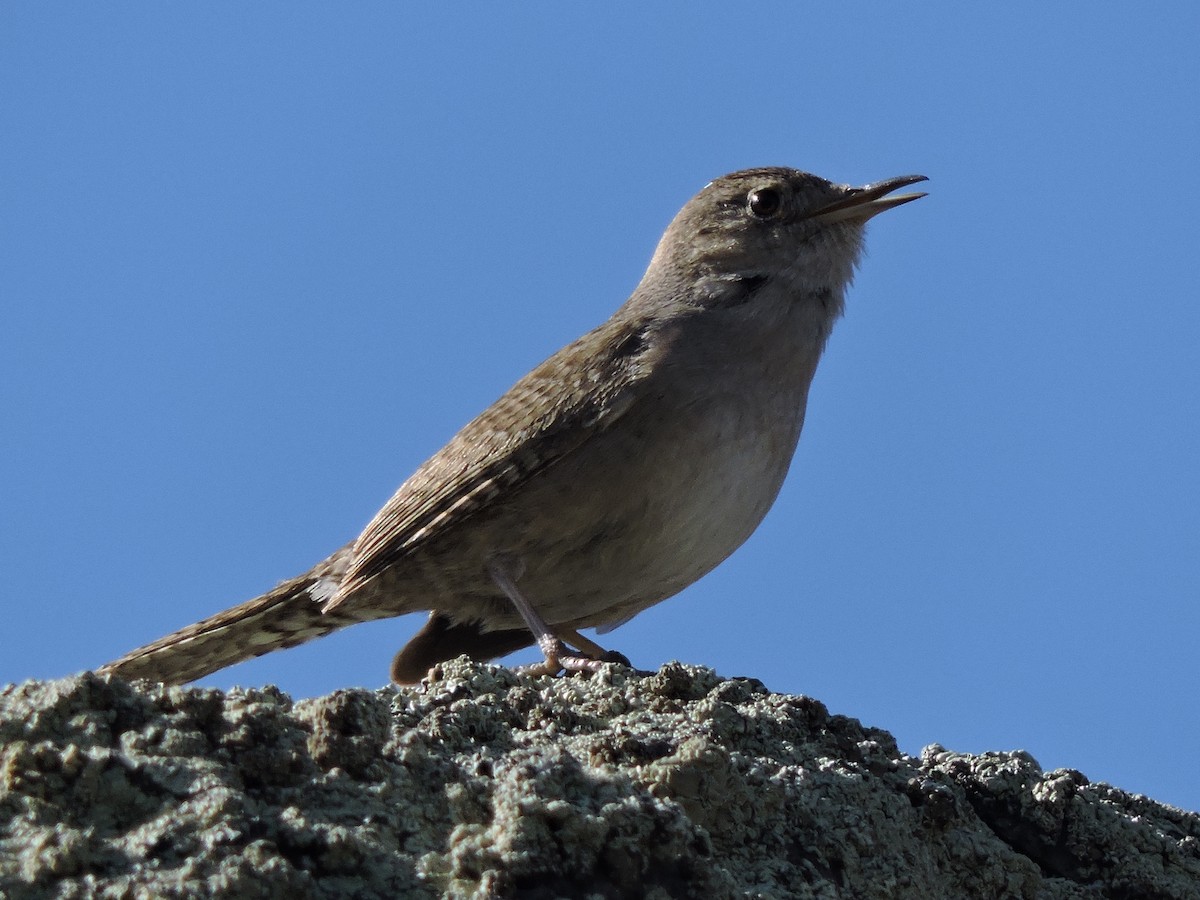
(486, 783)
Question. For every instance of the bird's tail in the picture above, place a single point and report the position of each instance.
(288, 615)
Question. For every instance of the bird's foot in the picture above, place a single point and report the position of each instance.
(560, 658)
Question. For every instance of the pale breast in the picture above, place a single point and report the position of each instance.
(656, 503)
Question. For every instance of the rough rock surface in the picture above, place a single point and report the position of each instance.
(482, 783)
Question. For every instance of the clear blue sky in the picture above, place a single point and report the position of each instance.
(257, 261)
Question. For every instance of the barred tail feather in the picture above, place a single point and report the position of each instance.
(286, 616)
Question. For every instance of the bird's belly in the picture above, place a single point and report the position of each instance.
(647, 514)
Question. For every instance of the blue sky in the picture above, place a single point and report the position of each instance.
(258, 261)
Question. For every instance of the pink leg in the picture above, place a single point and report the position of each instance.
(558, 657)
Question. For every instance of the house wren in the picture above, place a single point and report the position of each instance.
(615, 474)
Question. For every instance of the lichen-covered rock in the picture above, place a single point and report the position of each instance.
(486, 783)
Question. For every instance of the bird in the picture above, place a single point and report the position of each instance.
(610, 477)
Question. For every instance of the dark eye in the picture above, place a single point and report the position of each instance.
(764, 203)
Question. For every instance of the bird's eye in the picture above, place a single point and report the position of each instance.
(764, 203)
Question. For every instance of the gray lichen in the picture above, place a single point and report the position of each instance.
(485, 783)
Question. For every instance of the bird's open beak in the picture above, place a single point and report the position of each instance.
(863, 202)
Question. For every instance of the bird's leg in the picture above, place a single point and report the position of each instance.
(558, 656)
(592, 649)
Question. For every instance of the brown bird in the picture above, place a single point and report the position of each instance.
(616, 473)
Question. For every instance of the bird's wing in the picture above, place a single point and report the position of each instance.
(582, 389)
